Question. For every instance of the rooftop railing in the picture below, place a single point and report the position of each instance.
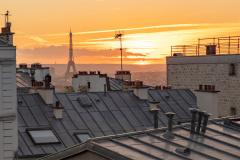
(222, 45)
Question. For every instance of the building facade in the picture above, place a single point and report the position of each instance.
(8, 109)
(220, 71)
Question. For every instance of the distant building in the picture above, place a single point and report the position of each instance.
(8, 106)
(218, 140)
(36, 72)
(212, 70)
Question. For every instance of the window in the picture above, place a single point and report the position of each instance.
(89, 85)
(232, 70)
(82, 137)
(233, 111)
(42, 136)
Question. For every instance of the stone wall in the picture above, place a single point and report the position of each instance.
(190, 72)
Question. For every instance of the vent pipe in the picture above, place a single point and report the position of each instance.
(105, 89)
(169, 134)
(154, 109)
(170, 116)
(205, 121)
(156, 118)
(193, 120)
(200, 117)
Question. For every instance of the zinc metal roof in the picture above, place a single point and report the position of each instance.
(3, 42)
(220, 142)
(103, 114)
(23, 80)
(115, 84)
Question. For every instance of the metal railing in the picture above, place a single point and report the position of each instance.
(224, 45)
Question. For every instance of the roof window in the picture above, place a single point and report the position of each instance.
(42, 136)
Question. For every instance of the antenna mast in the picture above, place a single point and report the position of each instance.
(6, 17)
(119, 36)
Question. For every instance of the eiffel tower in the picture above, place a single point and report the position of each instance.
(71, 63)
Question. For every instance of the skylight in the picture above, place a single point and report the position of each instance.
(82, 137)
(44, 136)
(84, 100)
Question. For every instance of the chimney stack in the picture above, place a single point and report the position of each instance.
(58, 110)
(202, 119)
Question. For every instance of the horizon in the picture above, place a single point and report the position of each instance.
(149, 31)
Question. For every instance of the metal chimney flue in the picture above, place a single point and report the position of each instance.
(170, 116)
(169, 134)
(199, 123)
(154, 110)
(205, 122)
(193, 120)
(155, 118)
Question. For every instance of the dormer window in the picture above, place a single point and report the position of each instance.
(42, 136)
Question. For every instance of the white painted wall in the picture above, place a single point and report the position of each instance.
(97, 82)
(208, 101)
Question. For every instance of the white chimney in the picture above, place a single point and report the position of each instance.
(90, 82)
(58, 110)
(140, 90)
(207, 99)
(123, 75)
(47, 94)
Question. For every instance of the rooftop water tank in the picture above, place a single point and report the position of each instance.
(211, 49)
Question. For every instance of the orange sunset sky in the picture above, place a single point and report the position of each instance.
(150, 27)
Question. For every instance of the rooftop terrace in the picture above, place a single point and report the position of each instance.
(209, 46)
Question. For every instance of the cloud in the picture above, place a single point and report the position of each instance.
(38, 39)
(164, 27)
(60, 54)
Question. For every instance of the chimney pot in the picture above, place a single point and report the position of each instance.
(154, 109)
(205, 121)
(58, 110)
(205, 87)
(200, 117)
(170, 116)
(193, 120)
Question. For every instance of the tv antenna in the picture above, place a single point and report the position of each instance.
(119, 35)
(6, 17)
